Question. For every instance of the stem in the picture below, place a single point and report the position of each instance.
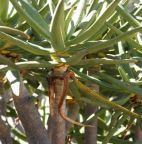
(56, 129)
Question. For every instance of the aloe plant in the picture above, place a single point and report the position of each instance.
(51, 49)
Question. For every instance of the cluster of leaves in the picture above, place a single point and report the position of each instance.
(101, 43)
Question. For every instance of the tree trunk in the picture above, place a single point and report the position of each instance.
(56, 131)
(5, 137)
(30, 118)
(72, 112)
(91, 133)
(138, 134)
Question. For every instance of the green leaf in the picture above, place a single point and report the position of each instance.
(30, 47)
(6, 61)
(51, 7)
(11, 112)
(97, 46)
(96, 26)
(57, 27)
(4, 5)
(114, 129)
(123, 74)
(123, 85)
(88, 21)
(30, 65)
(127, 16)
(14, 31)
(122, 100)
(68, 18)
(92, 5)
(75, 59)
(32, 17)
(105, 101)
(34, 64)
(19, 134)
(85, 78)
(105, 61)
(98, 34)
(132, 42)
(77, 17)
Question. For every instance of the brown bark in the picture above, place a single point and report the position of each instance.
(5, 137)
(30, 118)
(58, 136)
(91, 133)
(73, 111)
(50, 130)
(138, 134)
(56, 124)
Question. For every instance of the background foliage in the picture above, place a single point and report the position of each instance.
(100, 41)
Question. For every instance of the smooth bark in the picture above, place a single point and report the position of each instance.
(30, 118)
(5, 136)
(138, 134)
(91, 133)
(72, 112)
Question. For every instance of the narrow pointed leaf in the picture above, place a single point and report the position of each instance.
(127, 16)
(133, 43)
(106, 44)
(51, 7)
(6, 61)
(114, 129)
(24, 65)
(14, 31)
(34, 64)
(94, 80)
(123, 73)
(105, 61)
(127, 86)
(30, 47)
(88, 21)
(77, 17)
(75, 59)
(97, 25)
(4, 4)
(69, 18)
(57, 27)
(105, 100)
(32, 17)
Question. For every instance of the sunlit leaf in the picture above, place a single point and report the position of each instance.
(32, 17)
(57, 27)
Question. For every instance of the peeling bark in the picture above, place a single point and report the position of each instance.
(58, 135)
(56, 127)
